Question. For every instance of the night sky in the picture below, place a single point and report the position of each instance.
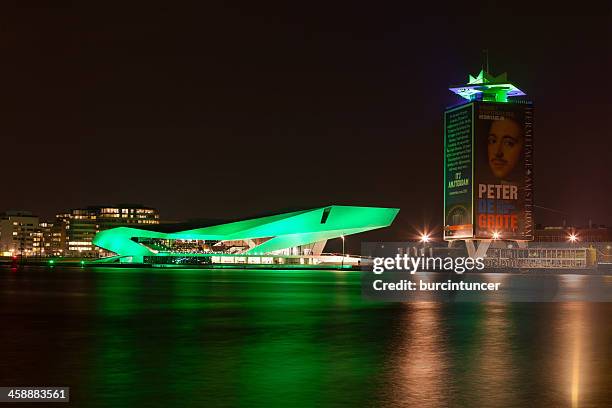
(227, 110)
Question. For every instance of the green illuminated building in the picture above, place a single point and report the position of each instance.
(295, 237)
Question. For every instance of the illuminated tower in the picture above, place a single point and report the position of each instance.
(488, 163)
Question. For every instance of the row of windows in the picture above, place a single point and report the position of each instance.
(80, 243)
(22, 224)
(125, 216)
(126, 211)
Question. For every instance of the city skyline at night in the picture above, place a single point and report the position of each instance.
(304, 204)
(265, 109)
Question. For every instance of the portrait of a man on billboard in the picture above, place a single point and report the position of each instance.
(500, 170)
(504, 147)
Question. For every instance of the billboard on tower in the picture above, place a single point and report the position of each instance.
(488, 171)
(458, 172)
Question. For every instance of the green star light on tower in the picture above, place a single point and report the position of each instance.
(488, 87)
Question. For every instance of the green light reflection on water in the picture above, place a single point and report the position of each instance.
(238, 337)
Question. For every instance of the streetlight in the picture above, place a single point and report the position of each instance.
(572, 238)
(424, 240)
(496, 235)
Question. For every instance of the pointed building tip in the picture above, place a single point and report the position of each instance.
(487, 78)
(478, 79)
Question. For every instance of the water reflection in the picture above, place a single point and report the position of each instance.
(499, 354)
(496, 383)
(421, 374)
(448, 349)
(291, 338)
(575, 368)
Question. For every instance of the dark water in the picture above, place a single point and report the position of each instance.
(157, 338)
